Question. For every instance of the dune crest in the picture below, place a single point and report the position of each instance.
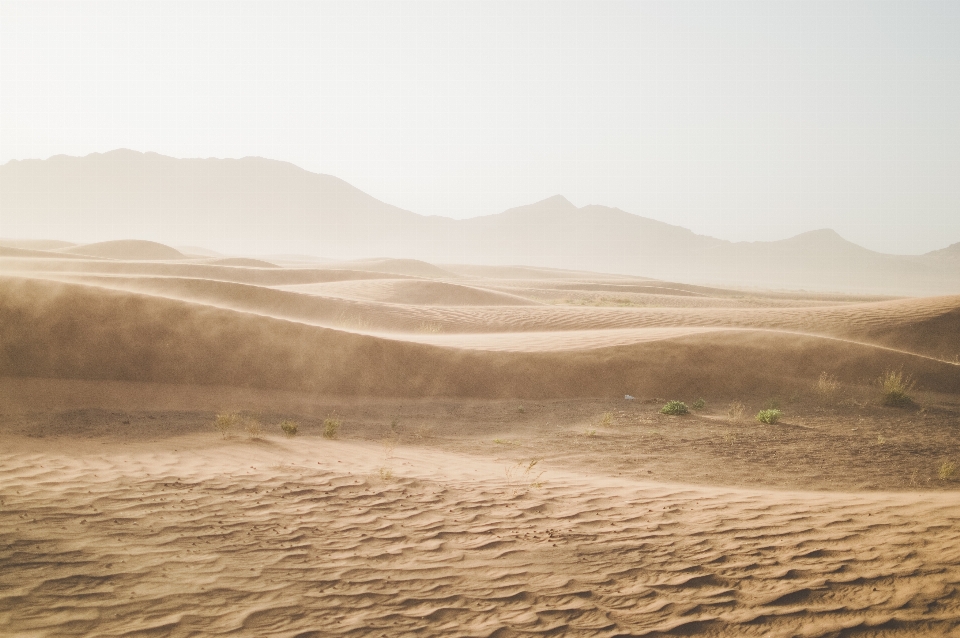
(132, 249)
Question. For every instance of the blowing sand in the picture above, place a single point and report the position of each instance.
(488, 477)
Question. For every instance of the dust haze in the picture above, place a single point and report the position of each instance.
(242, 394)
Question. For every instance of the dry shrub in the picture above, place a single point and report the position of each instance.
(895, 387)
(946, 470)
(290, 428)
(253, 427)
(827, 385)
(606, 420)
(226, 422)
(736, 410)
(331, 428)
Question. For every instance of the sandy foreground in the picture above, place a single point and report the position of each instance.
(489, 477)
(194, 535)
(453, 517)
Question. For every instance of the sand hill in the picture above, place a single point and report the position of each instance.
(466, 460)
(126, 249)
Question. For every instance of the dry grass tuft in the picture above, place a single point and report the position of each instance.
(331, 428)
(895, 387)
(226, 422)
(736, 410)
(827, 386)
(290, 428)
(253, 427)
(946, 470)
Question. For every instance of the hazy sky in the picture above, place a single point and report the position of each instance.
(740, 120)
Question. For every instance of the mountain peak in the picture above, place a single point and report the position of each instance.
(555, 201)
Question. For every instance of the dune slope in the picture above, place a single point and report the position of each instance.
(69, 330)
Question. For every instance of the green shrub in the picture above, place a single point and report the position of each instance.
(331, 427)
(699, 404)
(894, 389)
(290, 428)
(768, 416)
(674, 407)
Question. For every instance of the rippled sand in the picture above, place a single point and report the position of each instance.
(197, 536)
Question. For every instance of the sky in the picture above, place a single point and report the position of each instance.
(740, 120)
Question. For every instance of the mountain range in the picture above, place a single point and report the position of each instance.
(259, 206)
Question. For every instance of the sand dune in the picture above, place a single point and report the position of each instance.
(30, 253)
(36, 244)
(408, 267)
(137, 337)
(928, 326)
(128, 249)
(413, 292)
(242, 262)
(489, 479)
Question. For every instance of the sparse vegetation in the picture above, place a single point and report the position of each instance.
(736, 410)
(881, 439)
(895, 387)
(590, 432)
(827, 385)
(946, 470)
(699, 404)
(521, 410)
(606, 420)
(331, 428)
(675, 407)
(769, 416)
(290, 428)
(226, 422)
(253, 427)
(386, 474)
(522, 473)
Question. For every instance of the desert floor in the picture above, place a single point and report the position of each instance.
(488, 476)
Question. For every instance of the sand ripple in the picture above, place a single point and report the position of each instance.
(306, 539)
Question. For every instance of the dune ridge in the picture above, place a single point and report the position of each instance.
(59, 329)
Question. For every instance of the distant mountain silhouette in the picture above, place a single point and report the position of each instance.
(259, 206)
